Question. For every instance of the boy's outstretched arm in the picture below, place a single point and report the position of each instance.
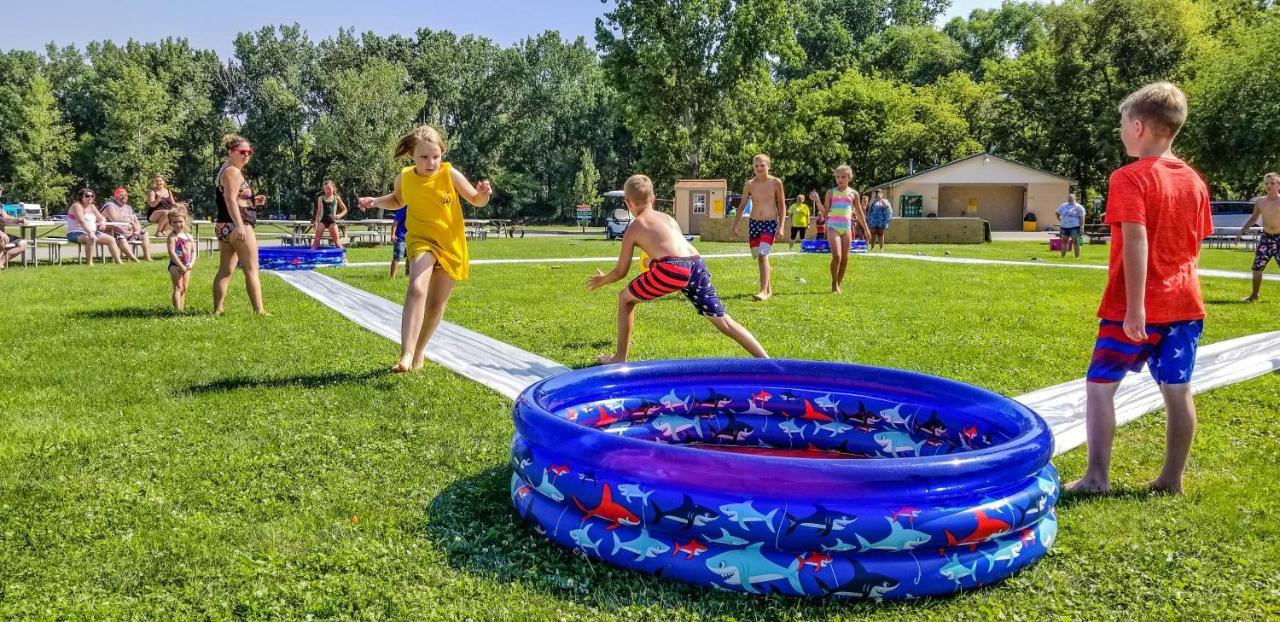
(623, 266)
(1135, 280)
(742, 208)
(1253, 218)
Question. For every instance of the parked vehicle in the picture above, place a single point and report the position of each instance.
(1230, 214)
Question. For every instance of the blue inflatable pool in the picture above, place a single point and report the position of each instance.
(796, 477)
(299, 257)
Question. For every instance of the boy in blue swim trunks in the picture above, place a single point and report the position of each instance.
(398, 233)
(1151, 310)
(675, 266)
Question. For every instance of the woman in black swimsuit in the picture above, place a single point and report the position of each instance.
(330, 208)
(159, 201)
(237, 215)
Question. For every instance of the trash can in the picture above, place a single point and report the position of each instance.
(1029, 223)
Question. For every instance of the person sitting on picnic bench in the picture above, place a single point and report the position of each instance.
(118, 210)
(10, 246)
(84, 227)
(1071, 216)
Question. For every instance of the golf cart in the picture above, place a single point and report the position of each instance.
(619, 218)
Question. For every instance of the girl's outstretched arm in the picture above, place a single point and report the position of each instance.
(391, 201)
(477, 195)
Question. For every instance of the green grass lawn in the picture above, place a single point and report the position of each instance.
(155, 465)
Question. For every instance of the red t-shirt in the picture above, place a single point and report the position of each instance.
(1167, 196)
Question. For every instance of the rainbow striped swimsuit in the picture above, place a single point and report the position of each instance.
(840, 212)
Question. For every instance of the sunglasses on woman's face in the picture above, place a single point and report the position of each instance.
(87, 195)
(244, 152)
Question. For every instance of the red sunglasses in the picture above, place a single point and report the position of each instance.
(246, 151)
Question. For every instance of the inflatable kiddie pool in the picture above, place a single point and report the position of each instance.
(299, 257)
(796, 477)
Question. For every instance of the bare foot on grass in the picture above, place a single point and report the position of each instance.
(401, 367)
(1165, 487)
(609, 359)
(1249, 299)
(1089, 486)
(761, 296)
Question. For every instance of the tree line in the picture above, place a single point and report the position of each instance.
(687, 89)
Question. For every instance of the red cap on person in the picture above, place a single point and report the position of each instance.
(119, 191)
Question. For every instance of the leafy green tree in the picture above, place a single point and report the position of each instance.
(137, 134)
(675, 64)
(37, 144)
(586, 182)
(273, 89)
(916, 54)
(1234, 122)
(994, 35)
(369, 109)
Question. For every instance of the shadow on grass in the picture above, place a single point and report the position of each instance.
(132, 313)
(1069, 500)
(473, 523)
(309, 381)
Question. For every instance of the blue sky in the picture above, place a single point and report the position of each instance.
(30, 24)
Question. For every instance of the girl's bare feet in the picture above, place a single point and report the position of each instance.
(1249, 299)
(1089, 486)
(761, 296)
(400, 368)
(835, 289)
(609, 359)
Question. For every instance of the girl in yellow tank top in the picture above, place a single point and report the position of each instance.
(436, 243)
(434, 219)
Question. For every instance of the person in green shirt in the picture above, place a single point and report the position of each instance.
(799, 214)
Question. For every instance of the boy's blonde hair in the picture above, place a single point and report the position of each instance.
(762, 156)
(422, 133)
(1270, 176)
(638, 190)
(1162, 105)
(844, 168)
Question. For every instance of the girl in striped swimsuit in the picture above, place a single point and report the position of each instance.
(841, 209)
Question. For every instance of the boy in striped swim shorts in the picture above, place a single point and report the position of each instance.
(675, 266)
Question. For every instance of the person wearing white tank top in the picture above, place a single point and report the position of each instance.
(82, 227)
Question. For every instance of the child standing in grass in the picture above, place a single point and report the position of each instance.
(330, 208)
(182, 255)
(1266, 208)
(1151, 311)
(768, 203)
(841, 209)
(398, 233)
(436, 241)
(675, 266)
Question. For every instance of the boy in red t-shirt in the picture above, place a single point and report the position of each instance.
(1151, 311)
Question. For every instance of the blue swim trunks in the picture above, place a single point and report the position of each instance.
(1169, 352)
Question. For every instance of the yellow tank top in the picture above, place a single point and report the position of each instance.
(434, 218)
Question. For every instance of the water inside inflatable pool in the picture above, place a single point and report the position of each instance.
(778, 421)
